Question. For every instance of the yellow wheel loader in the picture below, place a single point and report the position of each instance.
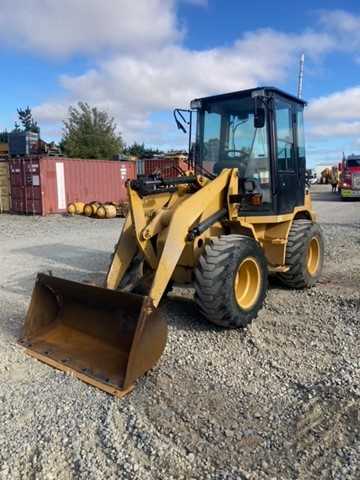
(240, 213)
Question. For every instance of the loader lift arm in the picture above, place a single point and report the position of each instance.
(189, 208)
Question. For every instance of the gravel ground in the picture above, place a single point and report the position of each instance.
(279, 400)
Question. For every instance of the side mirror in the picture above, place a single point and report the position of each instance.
(249, 185)
(259, 117)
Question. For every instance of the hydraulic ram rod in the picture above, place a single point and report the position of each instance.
(203, 226)
(148, 186)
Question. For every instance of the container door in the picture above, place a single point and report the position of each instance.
(31, 172)
(17, 185)
(25, 186)
(4, 187)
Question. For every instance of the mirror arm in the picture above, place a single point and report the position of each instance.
(176, 113)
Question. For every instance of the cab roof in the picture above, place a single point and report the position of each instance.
(268, 91)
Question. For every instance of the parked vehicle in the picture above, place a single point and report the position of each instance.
(349, 178)
(310, 176)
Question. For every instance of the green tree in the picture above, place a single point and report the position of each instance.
(90, 133)
(27, 121)
(136, 149)
(4, 137)
(17, 128)
(139, 150)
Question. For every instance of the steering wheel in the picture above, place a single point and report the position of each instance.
(235, 151)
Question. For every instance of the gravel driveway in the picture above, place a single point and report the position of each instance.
(279, 400)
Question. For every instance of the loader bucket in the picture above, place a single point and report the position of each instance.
(104, 337)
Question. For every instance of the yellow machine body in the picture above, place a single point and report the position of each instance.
(108, 337)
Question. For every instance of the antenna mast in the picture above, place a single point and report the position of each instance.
(301, 76)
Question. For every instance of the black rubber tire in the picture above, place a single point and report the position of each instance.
(301, 233)
(137, 280)
(215, 276)
(133, 274)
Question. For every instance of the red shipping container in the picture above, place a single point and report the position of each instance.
(25, 185)
(167, 167)
(42, 185)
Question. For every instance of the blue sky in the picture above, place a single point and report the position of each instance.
(140, 59)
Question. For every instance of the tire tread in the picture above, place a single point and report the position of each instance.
(210, 275)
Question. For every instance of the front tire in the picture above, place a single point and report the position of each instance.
(231, 280)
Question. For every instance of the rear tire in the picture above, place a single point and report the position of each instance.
(231, 281)
(304, 255)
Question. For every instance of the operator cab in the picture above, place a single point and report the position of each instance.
(260, 132)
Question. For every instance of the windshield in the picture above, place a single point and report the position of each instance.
(228, 139)
(354, 162)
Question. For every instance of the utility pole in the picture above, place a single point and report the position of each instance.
(301, 76)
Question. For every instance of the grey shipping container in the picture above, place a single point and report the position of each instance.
(23, 143)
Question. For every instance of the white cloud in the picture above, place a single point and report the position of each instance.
(345, 25)
(50, 112)
(147, 69)
(65, 27)
(336, 116)
(132, 86)
(339, 129)
(197, 3)
(338, 105)
(320, 155)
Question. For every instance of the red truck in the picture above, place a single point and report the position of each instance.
(349, 179)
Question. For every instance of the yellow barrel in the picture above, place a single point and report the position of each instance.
(90, 209)
(76, 208)
(101, 212)
(106, 211)
(95, 206)
(79, 207)
(110, 211)
(71, 209)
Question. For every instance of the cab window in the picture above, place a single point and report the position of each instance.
(284, 136)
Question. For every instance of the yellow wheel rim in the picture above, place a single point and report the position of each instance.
(247, 283)
(313, 256)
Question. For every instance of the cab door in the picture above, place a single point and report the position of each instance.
(285, 156)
